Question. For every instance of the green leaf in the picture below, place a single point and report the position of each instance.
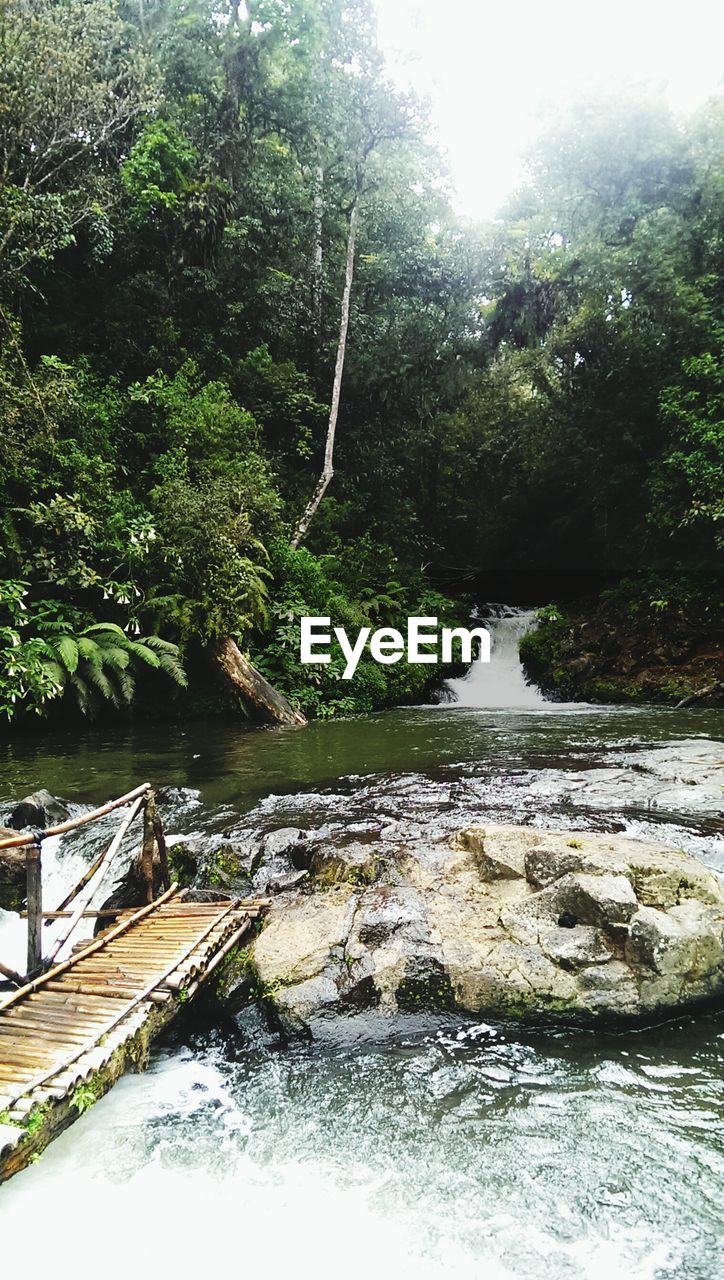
(67, 649)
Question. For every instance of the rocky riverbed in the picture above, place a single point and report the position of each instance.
(495, 920)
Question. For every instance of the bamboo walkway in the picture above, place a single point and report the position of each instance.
(68, 1034)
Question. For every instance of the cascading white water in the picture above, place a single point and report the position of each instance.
(500, 682)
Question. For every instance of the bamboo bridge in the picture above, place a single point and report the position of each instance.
(70, 1030)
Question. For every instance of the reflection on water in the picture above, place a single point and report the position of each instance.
(236, 766)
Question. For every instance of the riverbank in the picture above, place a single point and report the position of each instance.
(643, 641)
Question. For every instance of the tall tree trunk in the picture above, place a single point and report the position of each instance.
(317, 215)
(328, 468)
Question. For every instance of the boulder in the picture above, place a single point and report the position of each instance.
(287, 841)
(354, 861)
(40, 810)
(12, 875)
(510, 922)
(283, 860)
(603, 900)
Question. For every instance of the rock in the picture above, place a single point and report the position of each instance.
(12, 875)
(572, 948)
(671, 878)
(282, 854)
(599, 900)
(205, 862)
(543, 866)
(287, 840)
(584, 663)
(497, 855)
(386, 912)
(280, 884)
(334, 863)
(177, 797)
(508, 922)
(184, 859)
(230, 865)
(40, 810)
(687, 940)
(551, 858)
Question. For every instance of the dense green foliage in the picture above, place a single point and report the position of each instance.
(175, 186)
(357, 586)
(652, 637)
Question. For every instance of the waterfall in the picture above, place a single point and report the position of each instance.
(500, 682)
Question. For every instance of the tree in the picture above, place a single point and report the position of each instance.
(72, 82)
(377, 118)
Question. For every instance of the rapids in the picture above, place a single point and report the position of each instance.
(426, 1148)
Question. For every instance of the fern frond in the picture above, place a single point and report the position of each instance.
(98, 678)
(172, 666)
(89, 651)
(126, 686)
(55, 672)
(67, 649)
(82, 694)
(160, 646)
(116, 657)
(99, 627)
(140, 649)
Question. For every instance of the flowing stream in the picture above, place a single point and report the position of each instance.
(446, 1147)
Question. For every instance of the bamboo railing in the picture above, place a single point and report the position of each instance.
(141, 798)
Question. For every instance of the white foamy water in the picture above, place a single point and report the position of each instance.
(464, 1154)
(59, 875)
(501, 682)
(64, 861)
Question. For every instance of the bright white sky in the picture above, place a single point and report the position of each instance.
(486, 66)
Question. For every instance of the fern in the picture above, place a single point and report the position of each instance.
(98, 664)
(67, 649)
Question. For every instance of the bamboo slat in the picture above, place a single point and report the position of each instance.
(135, 996)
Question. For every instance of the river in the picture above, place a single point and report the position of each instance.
(446, 1148)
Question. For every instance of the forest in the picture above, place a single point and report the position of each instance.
(218, 220)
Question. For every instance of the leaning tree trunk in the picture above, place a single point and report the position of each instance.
(328, 468)
(254, 689)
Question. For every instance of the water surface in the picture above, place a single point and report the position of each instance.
(428, 1150)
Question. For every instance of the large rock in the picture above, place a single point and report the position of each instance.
(508, 922)
(41, 809)
(12, 875)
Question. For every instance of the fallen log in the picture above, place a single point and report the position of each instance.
(255, 690)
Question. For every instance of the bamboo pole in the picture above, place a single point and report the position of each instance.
(162, 850)
(11, 975)
(34, 882)
(149, 842)
(103, 866)
(19, 841)
(87, 915)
